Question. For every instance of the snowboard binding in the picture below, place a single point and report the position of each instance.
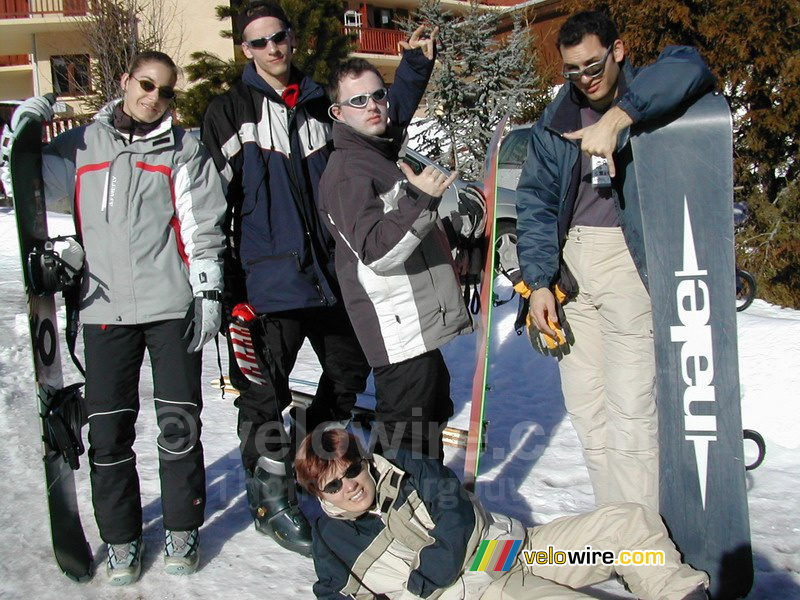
(55, 265)
(63, 420)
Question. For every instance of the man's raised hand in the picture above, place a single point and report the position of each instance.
(601, 139)
(428, 44)
(431, 180)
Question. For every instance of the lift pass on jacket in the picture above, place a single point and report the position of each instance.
(600, 175)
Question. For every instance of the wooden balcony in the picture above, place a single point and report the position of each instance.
(376, 41)
(14, 60)
(26, 9)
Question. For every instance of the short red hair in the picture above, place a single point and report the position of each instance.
(322, 454)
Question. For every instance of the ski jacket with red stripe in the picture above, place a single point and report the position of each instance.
(144, 207)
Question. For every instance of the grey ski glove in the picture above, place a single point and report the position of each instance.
(40, 107)
(470, 220)
(204, 317)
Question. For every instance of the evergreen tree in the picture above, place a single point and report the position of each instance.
(479, 78)
(320, 44)
(210, 74)
(320, 41)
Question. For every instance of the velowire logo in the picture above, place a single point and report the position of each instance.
(496, 555)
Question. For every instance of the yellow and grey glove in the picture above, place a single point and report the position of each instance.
(544, 343)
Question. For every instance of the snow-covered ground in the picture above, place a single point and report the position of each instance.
(532, 469)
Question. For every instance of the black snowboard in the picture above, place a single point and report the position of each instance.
(684, 172)
(72, 552)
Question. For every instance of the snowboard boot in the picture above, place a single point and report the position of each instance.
(124, 563)
(181, 552)
(273, 512)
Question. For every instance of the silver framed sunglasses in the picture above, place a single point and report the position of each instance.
(592, 71)
(361, 100)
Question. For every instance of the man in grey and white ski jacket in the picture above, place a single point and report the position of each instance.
(394, 266)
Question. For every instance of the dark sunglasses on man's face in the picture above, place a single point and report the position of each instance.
(353, 471)
(361, 100)
(592, 71)
(164, 92)
(276, 38)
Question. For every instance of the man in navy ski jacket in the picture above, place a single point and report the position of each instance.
(269, 136)
(580, 229)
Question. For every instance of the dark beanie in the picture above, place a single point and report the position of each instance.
(257, 10)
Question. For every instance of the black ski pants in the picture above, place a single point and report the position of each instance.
(413, 405)
(277, 339)
(114, 355)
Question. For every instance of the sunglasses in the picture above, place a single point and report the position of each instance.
(361, 100)
(164, 92)
(276, 38)
(592, 71)
(353, 471)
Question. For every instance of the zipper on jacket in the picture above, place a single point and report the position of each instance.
(442, 310)
(295, 255)
(319, 291)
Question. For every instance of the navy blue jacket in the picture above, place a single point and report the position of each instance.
(421, 537)
(271, 159)
(548, 185)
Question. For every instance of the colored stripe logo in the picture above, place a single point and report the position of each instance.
(493, 555)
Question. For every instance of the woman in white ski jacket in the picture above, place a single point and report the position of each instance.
(148, 208)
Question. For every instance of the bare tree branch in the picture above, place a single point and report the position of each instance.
(115, 31)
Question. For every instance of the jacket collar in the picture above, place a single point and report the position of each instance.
(106, 118)
(309, 89)
(388, 145)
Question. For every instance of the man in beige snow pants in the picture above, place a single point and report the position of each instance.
(580, 233)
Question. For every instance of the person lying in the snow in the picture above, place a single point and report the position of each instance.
(402, 526)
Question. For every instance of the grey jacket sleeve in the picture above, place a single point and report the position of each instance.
(199, 203)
